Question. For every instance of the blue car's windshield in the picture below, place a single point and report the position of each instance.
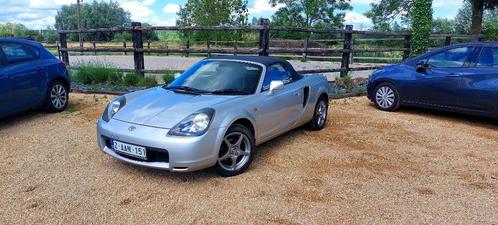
(219, 77)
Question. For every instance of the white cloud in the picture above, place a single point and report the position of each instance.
(263, 6)
(359, 21)
(455, 4)
(171, 8)
(139, 11)
(148, 2)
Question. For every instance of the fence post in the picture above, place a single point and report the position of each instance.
(94, 47)
(208, 43)
(346, 55)
(63, 44)
(124, 46)
(407, 46)
(305, 54)
(188, 44)
(264, 37)
(447, 41)
(166, 47)
(58, 49)
(234, 47)
(138, 45)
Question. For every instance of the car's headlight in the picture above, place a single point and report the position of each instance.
(113, 107)
(194, 125)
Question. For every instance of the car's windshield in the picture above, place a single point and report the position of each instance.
(219, 77)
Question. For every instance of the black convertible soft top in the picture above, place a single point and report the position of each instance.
(265, 60)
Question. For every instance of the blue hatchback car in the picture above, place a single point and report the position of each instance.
(459, 78)
(31, 77)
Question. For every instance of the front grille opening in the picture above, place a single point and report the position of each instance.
(153, 154)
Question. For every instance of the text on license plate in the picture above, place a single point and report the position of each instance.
(131, 150)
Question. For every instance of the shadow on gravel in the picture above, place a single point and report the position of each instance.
(13, 120)
(452, 116)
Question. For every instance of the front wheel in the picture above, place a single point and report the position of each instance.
(57, 97)
(387, 97)
(236, 151)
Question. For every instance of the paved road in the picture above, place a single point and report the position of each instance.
(182, 63)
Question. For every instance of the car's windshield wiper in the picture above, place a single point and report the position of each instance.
(231, 91)
(186, 89)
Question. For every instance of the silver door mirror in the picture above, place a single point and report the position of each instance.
(177, 75)
(276, 85)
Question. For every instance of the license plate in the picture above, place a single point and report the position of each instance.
(131, 150)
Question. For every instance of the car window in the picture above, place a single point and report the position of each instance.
(15, 53)
(276, 72)
(488, 58)
(450, 58)
(219, 76)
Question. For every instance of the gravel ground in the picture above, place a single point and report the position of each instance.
(367, 166)
(183, 63)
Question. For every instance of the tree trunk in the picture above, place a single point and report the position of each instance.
(477, 12)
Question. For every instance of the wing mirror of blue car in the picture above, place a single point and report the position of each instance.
(176, 75)
(422, 67)
(276, 85)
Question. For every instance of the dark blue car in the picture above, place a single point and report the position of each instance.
(31, 77)
(459, 78)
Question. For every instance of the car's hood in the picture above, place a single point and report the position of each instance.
(163, 108)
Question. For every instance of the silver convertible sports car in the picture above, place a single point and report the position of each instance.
(214, 114)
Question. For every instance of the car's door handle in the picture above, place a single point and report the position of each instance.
(297, 94)
(453, 75)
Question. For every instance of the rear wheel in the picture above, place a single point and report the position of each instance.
(320, 116)
(57, 97)
(236, 151)
(386, 97)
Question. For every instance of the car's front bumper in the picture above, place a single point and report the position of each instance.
(178, 154)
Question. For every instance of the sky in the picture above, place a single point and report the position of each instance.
(38, 14)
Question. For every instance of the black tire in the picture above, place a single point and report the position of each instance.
(318, 122)
(57, 97)
(386, 97)
(245, 151)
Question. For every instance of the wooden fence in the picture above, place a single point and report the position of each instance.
(263, 48)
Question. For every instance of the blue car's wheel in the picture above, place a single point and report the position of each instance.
(57, 97)
(386, 97)
(236, 152)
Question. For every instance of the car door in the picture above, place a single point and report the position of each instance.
(5, 87)
(440, 83)
(480, 87)
(278, 111)
(26, 75)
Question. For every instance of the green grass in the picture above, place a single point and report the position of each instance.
(97, 73)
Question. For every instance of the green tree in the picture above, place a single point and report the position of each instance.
(99, 14)
(212, 13)
(308, 13)
(13, 30)
(478, 8)
(421, 13)
(443, 26)
(385, 12)
(463, 19)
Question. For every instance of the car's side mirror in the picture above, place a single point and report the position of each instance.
(276, 85)
(176, 75)
(422, 67)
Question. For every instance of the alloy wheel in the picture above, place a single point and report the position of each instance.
(321, 113)
(235, 151)
(385, 97)
(58, 96)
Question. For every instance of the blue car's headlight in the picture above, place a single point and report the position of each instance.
(113, 107)
(194, 125)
